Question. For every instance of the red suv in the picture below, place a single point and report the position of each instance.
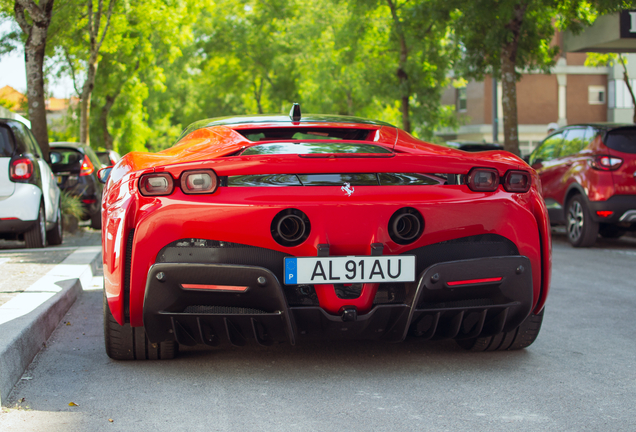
(588, 177)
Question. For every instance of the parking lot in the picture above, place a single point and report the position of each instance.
(578, 375)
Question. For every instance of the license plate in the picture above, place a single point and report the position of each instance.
(59, 179)
(350, 269)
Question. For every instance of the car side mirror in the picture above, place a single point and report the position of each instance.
(103, 174)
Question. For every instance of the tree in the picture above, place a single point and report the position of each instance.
(501, 38)
(140, 64)
(82, 45)
(34, 20)
(505, 37)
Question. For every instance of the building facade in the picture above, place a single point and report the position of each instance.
(572, 93)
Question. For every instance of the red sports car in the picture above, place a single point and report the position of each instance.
(273, 229)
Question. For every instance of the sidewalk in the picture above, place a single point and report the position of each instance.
(30, 315)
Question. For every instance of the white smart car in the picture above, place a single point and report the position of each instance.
(29, 196)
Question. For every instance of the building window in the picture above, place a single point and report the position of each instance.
(461, 99)
(596, 95)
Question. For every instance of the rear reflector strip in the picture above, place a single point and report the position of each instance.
(215, 287)
(474, 281)
(604, 213)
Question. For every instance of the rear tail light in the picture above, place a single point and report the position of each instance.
(199, 182)
(87, 167)
(517, 181)
(156, 184)
(606, 163)
(604, 213)
(483, 179)
(21, 169)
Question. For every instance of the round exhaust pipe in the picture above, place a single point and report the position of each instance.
(290, 227)
(406, 225)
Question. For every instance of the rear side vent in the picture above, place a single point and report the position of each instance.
(290, 227)
(406, 225)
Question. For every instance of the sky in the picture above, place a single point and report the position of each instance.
(13, 71)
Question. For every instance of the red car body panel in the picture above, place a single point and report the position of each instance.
(559, 174)
(623, 178)
(449, 211)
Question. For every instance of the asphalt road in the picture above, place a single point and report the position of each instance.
(578, 376)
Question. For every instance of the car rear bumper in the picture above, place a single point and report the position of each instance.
(453, 299)
(623, 208)
(15, 226)
(23, 204)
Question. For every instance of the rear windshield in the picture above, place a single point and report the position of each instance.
(271, 134)
(65, 158)
(314, 148)
(622, 140)
(6, 143)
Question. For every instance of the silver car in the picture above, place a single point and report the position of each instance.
(29, 196)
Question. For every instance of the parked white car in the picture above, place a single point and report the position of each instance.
(29, 196)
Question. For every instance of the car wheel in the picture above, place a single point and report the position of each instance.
(96, 220)
(56, 235)
(519, 338)
(36, 236)
(581, 229)
(610, 231)
(131, 343)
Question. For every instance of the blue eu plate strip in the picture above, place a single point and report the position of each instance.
(291, 271)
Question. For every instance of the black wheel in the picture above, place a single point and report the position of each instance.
(610, 231)
(582, 230)
(96, 220)
(36, 236)
(130, 343)
(56, 235)
(519, 338)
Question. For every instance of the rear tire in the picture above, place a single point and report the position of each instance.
(131, 343)
(519, 338)
(96, 220)
(581, 229)
(610, 231)
(36, 236)
(56, 235)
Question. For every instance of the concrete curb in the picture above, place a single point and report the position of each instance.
(27, 320)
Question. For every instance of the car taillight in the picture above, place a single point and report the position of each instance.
(21, 169)
(87, 167)
(483, 179)
(199, 182)
(517, 181)
(156, 184)
(606, 163)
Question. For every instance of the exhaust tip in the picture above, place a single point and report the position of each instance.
(290, 227)
(406, 225)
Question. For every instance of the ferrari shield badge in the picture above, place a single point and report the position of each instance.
(348, 189)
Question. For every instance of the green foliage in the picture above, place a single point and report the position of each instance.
(7, 104)
(71, 205)
(598, 59)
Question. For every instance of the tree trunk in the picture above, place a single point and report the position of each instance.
(509, 98)
(96, 42)
(103, 120)
(509, 79)
(403, 78)
(628, 84)
(85, 104)
(34, 50)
